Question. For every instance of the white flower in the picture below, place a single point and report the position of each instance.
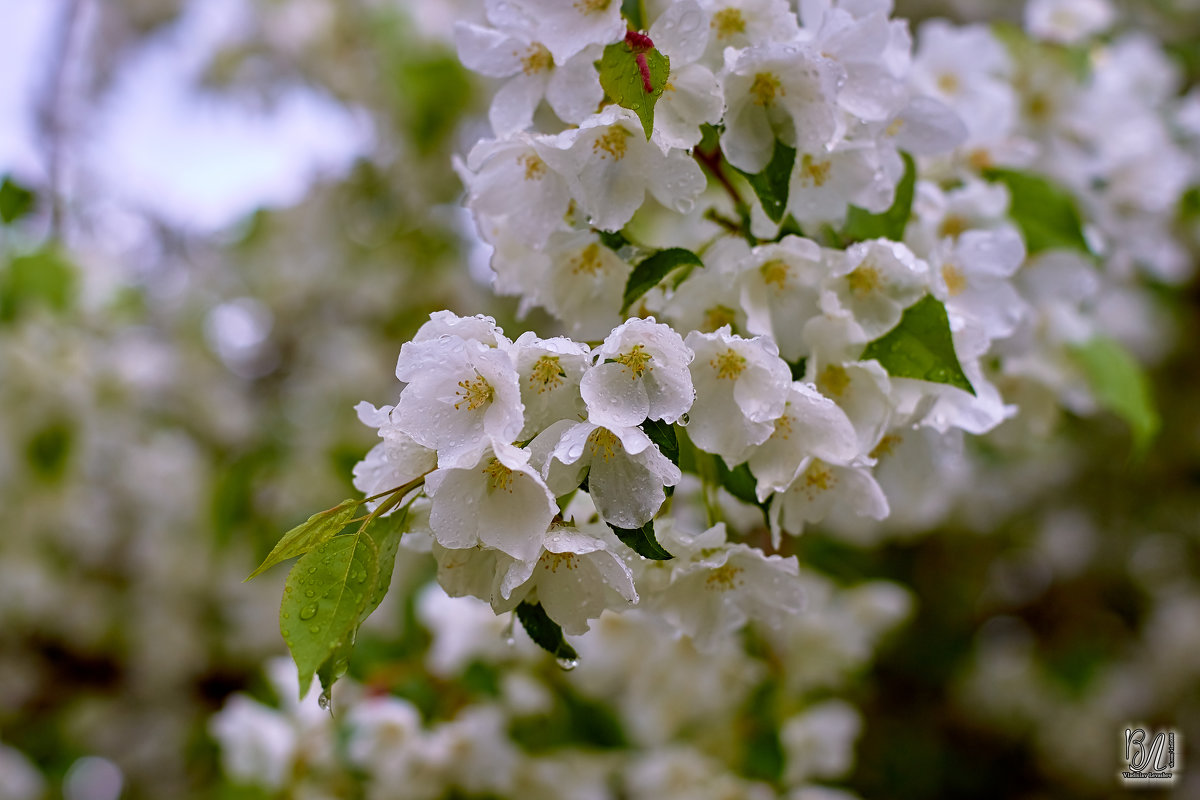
(716, 587)
(610, 166)
(258, 744)
(778, 91)
(385, 736)
(811, 425)
(565, 27)
(575, 277)
(578, 577)
(872, 89)
(702, 301)
(464, 629)
(819, 489)
(819, 742)
(500, 502)
(572, 90)
(550, 371)
(393, 462)
(625, 471)
(861, 389)
(515, 179)
(692, 95)
(1068, 21)
(823, 184)
(925, 127)
(741, 389)
(460, 394)
(479, 328)
(780, 291)
(641, 373)
(745, 23)
(875, 281)
(966, 68)
(972, 277)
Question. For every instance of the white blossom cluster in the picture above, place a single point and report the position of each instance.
(678, 711)
(758, 352)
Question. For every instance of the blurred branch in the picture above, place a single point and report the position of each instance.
(50, 108)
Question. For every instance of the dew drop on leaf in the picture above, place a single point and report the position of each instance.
(567, 664)
(309, 611)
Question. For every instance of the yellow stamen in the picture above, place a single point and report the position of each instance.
(764, 89)
(588, 260)
(727, 22)
(637, 359)
(948, 83)
(612, 143)
(718, 317)
(886, 446)
(604, 443)
(476, 394)
(864, 279)
(956, 282)
(815, 173)
(547, 373)
(894, 128)
(499, 477)
(537, 59)
(775, 272)
(818, 478)
(552, 561)
(535, 168)
(728, 365)
(833, 381)
(592, 6)
(783, 427)
(953, 226)
(724, 578)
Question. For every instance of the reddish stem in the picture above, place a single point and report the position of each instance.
(644, 68)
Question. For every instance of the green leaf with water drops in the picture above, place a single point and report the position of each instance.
(304, 537)
(663, 436)
(545, 632)
(1120, 386)
(335, 667)
(323, 598)
(650, 271)
(1046, 213)
(624, 81)
(771, 185)
(862, 224)
(386, 532)
(921, 347)
(642, 541)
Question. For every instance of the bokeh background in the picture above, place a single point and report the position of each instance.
(220, 220)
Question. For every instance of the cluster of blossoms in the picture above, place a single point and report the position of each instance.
(829, 355)
(659, 719)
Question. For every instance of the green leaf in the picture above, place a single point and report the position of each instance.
(1120, 386)
(386, 533)
(324, 595)
(15, 200)
(634, 14)
(642, 541)
(862, 225)
(920, 347)
(771, 185)
(613, 240)
(545, 632)
(336, 665)
(799, 368)
(49, 450)
(622, 80)
(663, 435)
(738, 481)
(1045, 212)
(41, 278)
(650, 271)
(308, 534)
